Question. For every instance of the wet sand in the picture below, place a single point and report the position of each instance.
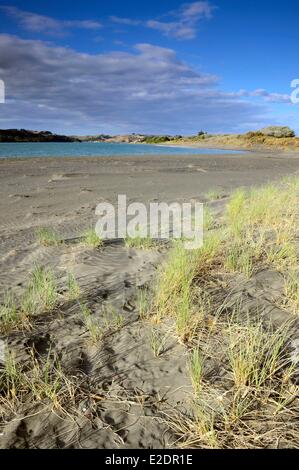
(42, 189)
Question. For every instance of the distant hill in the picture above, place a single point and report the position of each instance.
(127, 138)
(273, 137)
(23, 135)
(93, 138)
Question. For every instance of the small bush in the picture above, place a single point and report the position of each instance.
(278, 131)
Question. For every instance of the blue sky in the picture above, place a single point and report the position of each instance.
(152, 67)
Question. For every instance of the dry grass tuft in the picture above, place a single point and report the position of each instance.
(240, 367)
(140, 243)
(40, 296)
(47, 237)
(92, 240)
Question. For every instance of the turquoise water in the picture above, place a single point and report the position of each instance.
(101, 149)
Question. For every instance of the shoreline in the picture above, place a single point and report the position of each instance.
(214, 145)
(198, 146)
(128, 157)
(253, 149)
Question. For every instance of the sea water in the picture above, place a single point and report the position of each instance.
(96, 149)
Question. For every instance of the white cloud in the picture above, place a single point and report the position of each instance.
(264, 94)
(272, 97)
(178, 30)
(185, 21)
(125, 21)
(45, 24)
(197, 10)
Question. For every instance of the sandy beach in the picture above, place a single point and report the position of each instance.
(62, 193)
(149, 229)
(125, 391)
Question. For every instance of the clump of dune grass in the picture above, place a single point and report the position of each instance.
(240, 258)
(39, 381)
(282, 257)
(158, 341)
(48, 237)
(187, 317)
(93, 327)
(112, 320)
(292, 291)
(40, 296)
(174, 278)
(73, 289)
(196, 370)
(142, 303)
(9, 316)
(235, 212)
(174, 293)
(140, 243)
(205, 257)
(256, 354)
(255, 402)
(92, 239)
(214, 195)
(198, 431)
(261, 226)
(255, 224)
(182, 313)
(208, 219)
(226, 416)
(270, 207)
(48, 381)
(11, 379)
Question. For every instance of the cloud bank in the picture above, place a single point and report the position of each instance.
(147, 90)
(180, 24)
